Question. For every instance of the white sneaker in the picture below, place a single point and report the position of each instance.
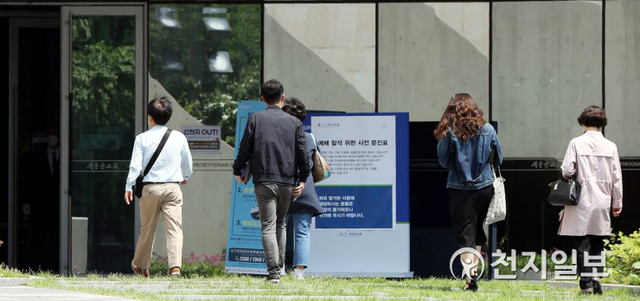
(298, 274)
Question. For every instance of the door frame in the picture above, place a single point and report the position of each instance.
(139, 10)
(14, 26)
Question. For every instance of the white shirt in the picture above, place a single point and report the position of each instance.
(174, 164)
(49, 151)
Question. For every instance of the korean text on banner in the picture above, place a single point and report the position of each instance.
(244, 244)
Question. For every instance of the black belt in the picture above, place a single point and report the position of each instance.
(146, 183)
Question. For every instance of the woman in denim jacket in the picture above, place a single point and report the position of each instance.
(465, 143)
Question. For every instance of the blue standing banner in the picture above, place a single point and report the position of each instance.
(245, 254)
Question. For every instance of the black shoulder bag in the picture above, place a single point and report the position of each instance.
(565, 192)
(137, 188)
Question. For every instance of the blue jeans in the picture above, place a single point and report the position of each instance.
(301, 225)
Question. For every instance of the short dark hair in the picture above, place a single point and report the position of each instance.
(593, 116)
(160, 110)
(295, 107)
(272, 91)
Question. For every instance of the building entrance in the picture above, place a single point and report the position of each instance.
(75, 99)
(32, 223)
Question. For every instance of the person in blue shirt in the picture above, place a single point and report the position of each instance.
(465, 144)
(161, 192)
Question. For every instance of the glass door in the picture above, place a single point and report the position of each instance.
(32, 216)
(102, 111)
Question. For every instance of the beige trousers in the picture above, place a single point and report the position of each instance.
(165, 199)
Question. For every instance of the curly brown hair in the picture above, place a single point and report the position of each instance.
(463, 116)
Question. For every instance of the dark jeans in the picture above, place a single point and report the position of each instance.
(468, 209)
(593, 245)
(273, 203)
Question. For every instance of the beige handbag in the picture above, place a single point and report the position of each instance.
(320, 169)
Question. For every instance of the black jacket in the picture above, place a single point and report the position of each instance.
(276, 144)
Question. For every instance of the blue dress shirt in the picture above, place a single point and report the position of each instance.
(174, 164)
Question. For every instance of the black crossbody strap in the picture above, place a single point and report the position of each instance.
(157, 153)
(493, 153)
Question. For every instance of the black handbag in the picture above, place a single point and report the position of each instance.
(137, 188)
(246, 171)
(564, 192)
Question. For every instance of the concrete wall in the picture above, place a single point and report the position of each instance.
(207, 195)
(324, 54)
(546, 63)
(622, 75)
(547, 67)
(426, 54)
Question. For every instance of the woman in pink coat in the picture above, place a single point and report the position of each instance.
(594, 161)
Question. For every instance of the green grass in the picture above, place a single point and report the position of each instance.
(322, 288)
(6, 272)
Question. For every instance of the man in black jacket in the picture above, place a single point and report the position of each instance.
(275, 143)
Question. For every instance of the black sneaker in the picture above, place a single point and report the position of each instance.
(597, 287)
(273, 278)
(472, 284)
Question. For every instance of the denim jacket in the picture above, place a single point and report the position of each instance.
(468, 160)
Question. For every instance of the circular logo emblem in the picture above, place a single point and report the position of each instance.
(466, 266)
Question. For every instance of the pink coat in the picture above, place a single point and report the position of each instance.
(596, 161)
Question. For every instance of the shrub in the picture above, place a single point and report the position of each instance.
(207, 266)
(623, 258)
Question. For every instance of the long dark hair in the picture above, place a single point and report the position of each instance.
(462, 115)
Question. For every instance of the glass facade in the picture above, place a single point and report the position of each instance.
(102, 135)
(532, 67)
(207, 57)
(38, 49)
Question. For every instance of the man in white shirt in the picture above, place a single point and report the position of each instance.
(161, 192)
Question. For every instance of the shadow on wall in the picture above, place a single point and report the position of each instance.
(423, 62)
(305, 75)
(547, 67)
(207, 195)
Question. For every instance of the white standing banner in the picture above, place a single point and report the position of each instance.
(365, 228)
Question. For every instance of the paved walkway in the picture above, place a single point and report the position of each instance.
(27, 293)
(17, 289)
